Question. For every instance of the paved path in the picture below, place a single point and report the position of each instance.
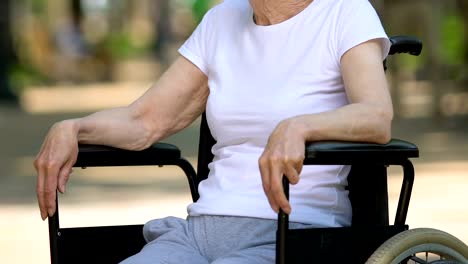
(125, 196)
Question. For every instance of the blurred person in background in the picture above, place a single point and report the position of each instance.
(270, 75)
(69, 38)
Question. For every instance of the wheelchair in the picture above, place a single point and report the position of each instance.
(370, 237)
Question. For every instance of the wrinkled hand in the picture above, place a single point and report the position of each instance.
(283, 155)
(54, 164)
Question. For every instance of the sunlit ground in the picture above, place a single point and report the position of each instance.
(81, 98)
(134, 195)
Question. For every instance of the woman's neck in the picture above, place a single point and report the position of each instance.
(270, 12)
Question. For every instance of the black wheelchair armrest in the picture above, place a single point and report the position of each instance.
(102, 156)
(159, 154)
(341, 152)
(405, 44)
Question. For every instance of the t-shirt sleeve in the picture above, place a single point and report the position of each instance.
(361, 24)
(195, 47)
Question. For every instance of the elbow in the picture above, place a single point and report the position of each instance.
(149, 134)
(146, 132)
(383, 125)
(383, 137)
(144, 142)
(146, 138)
(142, 138)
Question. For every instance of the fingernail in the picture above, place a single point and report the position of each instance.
(50, 212)
(43, 216)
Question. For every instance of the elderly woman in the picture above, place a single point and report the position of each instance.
(270, 75)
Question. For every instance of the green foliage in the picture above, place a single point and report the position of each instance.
(121, 46)
(38, 6)
(452, 44)
(410, 63)
(22, 76)
(199, 8)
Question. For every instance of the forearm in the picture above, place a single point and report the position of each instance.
(353, 122)
(133, 127)
(118, 127)
(166, 108)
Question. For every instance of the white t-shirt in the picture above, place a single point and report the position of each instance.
(260, 75)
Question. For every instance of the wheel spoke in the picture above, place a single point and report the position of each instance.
(418, 260)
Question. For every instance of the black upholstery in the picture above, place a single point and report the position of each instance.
(205, 156)
(101, 156)
(405, 44)
(103, 244)
(350, 245)
(358, 152)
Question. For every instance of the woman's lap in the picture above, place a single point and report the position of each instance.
(168, 242)
(208, 239)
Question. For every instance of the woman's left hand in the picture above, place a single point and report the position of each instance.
(283, 155)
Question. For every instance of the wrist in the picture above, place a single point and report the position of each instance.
(72, 125)
(298, 125)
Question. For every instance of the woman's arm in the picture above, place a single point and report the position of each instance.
(168, 106)
(367, 118)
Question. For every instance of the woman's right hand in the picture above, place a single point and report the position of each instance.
(54, 164)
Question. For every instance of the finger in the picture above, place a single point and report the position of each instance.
(299, 164)
(266, 183)
(291, 173)
(64, 175)
(50, 188)
(277, 191)
(264, 173)
(40, 184)
(280, 198)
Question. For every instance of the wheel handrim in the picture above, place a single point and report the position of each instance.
(446, 254)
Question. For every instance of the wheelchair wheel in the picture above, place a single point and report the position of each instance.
(421, 245)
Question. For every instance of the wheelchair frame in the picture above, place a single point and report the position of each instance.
(369, 229)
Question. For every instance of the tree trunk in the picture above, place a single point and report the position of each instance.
(7, 54)
(76, 12)
(379, 5)
(435, 19)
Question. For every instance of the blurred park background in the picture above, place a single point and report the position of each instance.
(66, 58)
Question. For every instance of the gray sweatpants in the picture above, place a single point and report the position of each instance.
(209, 239)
